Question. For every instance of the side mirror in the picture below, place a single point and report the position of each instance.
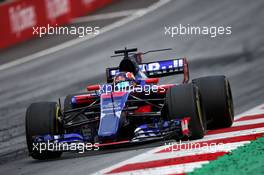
(93, 87)
(152, 80)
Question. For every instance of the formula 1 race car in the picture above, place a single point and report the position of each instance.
(131, 108)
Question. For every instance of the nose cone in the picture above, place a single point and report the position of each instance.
(109, 125)
(112, 105)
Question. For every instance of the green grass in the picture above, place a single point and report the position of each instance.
(245, 160)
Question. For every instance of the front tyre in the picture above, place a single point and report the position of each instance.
(184, 101)
(217, 101)
(41, 119)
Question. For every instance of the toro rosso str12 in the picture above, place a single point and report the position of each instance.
(132, 107)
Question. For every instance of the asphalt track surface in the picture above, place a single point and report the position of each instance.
(239, 56)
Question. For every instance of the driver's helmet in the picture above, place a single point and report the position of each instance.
(124, 79)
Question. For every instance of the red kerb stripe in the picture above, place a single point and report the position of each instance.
(236, 128)
(167, 162)
(250, 117)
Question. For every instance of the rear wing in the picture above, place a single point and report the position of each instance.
(158, 69)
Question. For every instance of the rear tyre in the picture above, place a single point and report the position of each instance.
(41, 119)
(184, 101)
(217, 101)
